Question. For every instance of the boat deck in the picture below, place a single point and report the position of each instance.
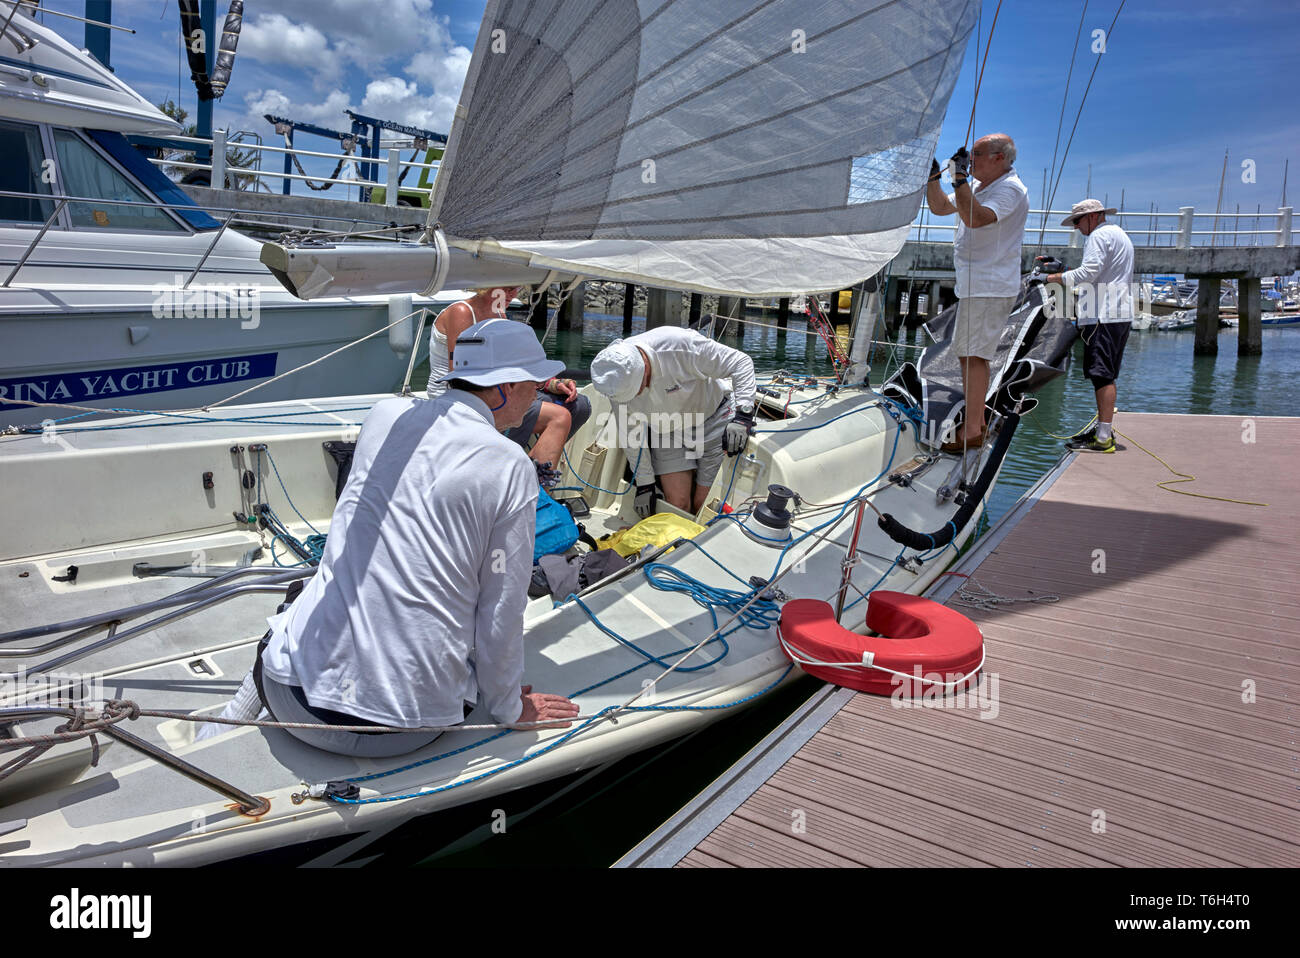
(1147, 718)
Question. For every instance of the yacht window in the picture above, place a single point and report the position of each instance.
(83, 172)
(20, 145)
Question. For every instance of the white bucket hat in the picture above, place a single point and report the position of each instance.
(1083, 207)
(618, 371)
(497, 351)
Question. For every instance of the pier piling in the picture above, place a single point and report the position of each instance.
(1207, 316)
(1250, 340)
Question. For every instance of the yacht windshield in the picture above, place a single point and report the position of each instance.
(84, 172)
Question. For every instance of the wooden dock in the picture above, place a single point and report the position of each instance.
(1147, 718)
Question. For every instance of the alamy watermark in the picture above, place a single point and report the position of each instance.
(77, 690)
(208, 301)
(936, 690)
(655, 430)
(1091, 300)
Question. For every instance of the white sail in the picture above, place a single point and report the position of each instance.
(735, 146)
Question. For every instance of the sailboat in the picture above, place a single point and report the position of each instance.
(768, 172)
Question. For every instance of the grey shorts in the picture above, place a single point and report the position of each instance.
(579, 412)
(691, 445)
(980, 321)
(286, 708)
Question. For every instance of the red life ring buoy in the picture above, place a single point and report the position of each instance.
(922, 645)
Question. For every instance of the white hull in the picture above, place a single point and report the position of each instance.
(122, 327)
(133, 810)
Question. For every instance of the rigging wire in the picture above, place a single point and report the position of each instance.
(988, 42)
(1061, 172)
(1065, 96)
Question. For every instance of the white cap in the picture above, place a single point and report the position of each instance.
(497, 351)
(618, 371)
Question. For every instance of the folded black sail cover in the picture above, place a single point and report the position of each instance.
(196, 46)
(1034, 349)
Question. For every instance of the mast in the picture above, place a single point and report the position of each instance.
(1219, 202)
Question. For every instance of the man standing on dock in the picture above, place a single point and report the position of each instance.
(1105, 311)
(986, 256)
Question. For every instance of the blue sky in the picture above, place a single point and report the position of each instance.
(1177, 85)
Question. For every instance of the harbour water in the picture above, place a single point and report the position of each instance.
(601, 815)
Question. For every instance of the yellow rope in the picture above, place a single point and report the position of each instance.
(1166, 483)
(1185, 478)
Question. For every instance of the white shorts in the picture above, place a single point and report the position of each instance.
(980, 321)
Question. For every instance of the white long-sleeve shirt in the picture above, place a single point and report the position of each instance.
(1103, 278)
(688, 376)
(418, 603)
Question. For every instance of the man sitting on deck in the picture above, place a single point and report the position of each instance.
(1105, 311)
(669, 378)
(417, 606)
(554, 416)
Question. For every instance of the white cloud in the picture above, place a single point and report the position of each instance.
(275, 39)
(332, 39)
(396, 99)
(444, 69)
(327, 113)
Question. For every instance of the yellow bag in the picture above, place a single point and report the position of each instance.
(657, 530)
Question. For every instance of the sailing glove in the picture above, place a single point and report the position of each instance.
(959, 165)
(738, 430)
(935, 172)
(644, 503)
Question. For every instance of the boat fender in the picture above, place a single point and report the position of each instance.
(922, 645)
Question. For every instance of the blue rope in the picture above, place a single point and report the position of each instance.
(630, 486)
(763, 614)
(552, 746)
(271, 459)
(727, 495)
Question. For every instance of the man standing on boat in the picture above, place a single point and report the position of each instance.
(1105, 311)
(669, 382)
(417, 606)
(986, 256)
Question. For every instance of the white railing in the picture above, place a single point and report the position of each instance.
(1275, 229)
(1280, 233)
(218, 168)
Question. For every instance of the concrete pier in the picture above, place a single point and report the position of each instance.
(697, 308)
(629, 306)
(571, 311)
(663, 307)
(538, 311)
(1250, 341)
(731, 314)
(1208, 290)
